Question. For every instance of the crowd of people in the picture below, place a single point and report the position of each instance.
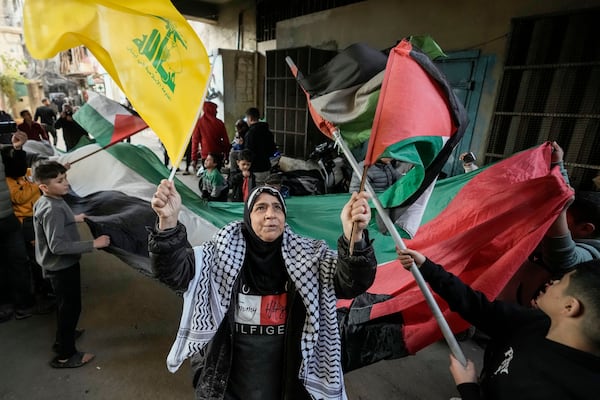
(39, 235)
(229, 170)
(49, 117)
(269, 329)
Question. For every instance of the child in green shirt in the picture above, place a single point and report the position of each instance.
(212, 184)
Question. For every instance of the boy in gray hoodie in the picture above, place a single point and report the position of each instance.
(58, 249)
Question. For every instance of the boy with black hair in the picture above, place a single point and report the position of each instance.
(551, 352)
(575, 235)
(212, 185)
(34, 130)
(58, 248)
(260, 140)
(242, 181)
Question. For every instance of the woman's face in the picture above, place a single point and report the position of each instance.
(267, 217)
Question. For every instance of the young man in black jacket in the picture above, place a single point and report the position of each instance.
(548, 352)
(261, 142)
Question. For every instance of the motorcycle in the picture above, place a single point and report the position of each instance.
(324, 172)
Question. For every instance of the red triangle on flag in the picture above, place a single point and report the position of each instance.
(125, 126)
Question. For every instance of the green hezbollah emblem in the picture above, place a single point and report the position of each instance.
(159, 51)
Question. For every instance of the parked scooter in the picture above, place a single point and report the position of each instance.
(334, 168)
(331, 173)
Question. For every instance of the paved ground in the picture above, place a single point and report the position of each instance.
(130, 323)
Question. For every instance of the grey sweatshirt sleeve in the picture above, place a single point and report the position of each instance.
(563, 171)
(60, 242)
(562, 252)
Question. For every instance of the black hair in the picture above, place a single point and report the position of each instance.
(241, 126)
(22, 113)
(45, 170)
(15, 170)
(245, 155)
(586, 208)
(217, 158)
(584, 285)
(253, 113)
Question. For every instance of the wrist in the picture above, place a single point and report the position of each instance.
(166, 223)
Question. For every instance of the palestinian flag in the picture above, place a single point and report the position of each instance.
(346, 89)
(484, 233)
(107, 121)
(481, 228)
(407, 112)
(116, 199)
(419, 120)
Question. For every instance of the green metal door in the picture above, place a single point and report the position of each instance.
(466, 72)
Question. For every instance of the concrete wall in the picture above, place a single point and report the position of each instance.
(227, 32)
(455, 25)
(243, 82)
(239, 75)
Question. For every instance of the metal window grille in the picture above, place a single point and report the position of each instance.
(285, 102)
(550, 90)
(269, 12)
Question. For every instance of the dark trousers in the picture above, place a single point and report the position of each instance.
(67, 289)
(17, 269)
(188, 156)
(41, 286)
(52, 131)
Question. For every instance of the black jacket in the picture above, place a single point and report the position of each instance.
(259, 139)
(519, 362)
(236, 181)
(173, 262)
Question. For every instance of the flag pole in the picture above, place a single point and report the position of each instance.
(437, 313)
(92, 153)
(363, 180)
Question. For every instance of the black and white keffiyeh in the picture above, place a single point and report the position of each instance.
(311, 265)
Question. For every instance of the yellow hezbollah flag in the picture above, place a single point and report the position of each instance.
(146, 46)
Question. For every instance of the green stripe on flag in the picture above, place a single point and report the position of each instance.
(358, 131)
(313, 216)
(419, 151)
(89, 118)
(351, 109)
(322, 222)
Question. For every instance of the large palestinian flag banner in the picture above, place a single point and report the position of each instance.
(481, 228)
